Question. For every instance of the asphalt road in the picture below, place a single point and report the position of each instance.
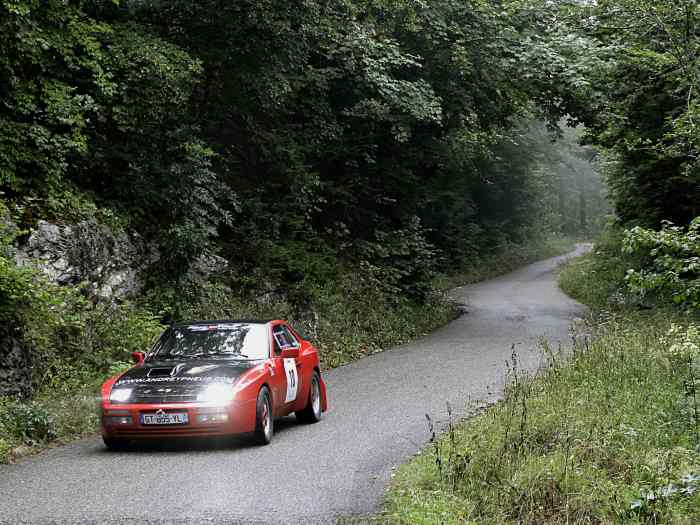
(309, 474)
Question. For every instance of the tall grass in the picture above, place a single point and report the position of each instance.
(608, 432)
(597, 278)
(597, 440)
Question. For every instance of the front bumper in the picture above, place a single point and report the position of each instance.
(123, 421)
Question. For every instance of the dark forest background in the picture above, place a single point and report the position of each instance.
(298, 138)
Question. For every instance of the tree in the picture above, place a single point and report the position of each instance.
(648, 108)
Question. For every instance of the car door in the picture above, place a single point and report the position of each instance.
(304, 368)
(286, 370)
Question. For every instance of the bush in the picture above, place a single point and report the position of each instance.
(506, 258)
(352, 318)
(71, 339)
(5, 450)
(91, 340)
(672, 257)
(27, 422)
(401, 262)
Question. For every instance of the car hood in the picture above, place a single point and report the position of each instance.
(186, 372)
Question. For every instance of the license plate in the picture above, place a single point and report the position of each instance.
(171, 418)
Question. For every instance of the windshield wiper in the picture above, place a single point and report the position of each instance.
(214, 354)
(229, 354)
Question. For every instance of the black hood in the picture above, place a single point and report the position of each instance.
(186, 372)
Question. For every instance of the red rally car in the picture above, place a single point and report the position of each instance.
(214, 378)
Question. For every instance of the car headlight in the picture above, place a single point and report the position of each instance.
(120, 395)
(216, 393)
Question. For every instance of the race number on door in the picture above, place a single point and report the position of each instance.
(290, 369)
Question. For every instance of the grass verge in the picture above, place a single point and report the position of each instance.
(608, 434)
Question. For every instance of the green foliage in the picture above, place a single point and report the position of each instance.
(51, 70)
(508, 258)
(193, 203)
(337, 155)
(90, 342)
(29, 422)
(672, 257)
(255, 129)
(400, 262)
(5, 450)
(73, 342)
(362, 117)
(22, 294)
(27, 426)
(352, 318)
(644, 106)
(639, 267)
(104, 104)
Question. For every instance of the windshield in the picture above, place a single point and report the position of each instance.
(213, 341)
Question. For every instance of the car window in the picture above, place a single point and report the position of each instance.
(284, 338)
(216, 341)
(290, 337)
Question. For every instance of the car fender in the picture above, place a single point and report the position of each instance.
(249, 384)
(106, 388)
(324, 396)
(307, 363)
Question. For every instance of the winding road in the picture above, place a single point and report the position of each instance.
(310, 473)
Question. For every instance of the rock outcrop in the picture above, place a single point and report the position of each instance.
(15, 369)
(107, 264)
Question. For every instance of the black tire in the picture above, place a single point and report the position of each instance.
(264, 422)
(116, 444)
(312, 412)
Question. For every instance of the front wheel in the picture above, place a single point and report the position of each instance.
(264, 423)
(312, 413)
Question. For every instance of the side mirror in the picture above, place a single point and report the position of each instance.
(290, 353)
(138, 357)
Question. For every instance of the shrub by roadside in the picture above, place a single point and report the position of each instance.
(608, 435)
